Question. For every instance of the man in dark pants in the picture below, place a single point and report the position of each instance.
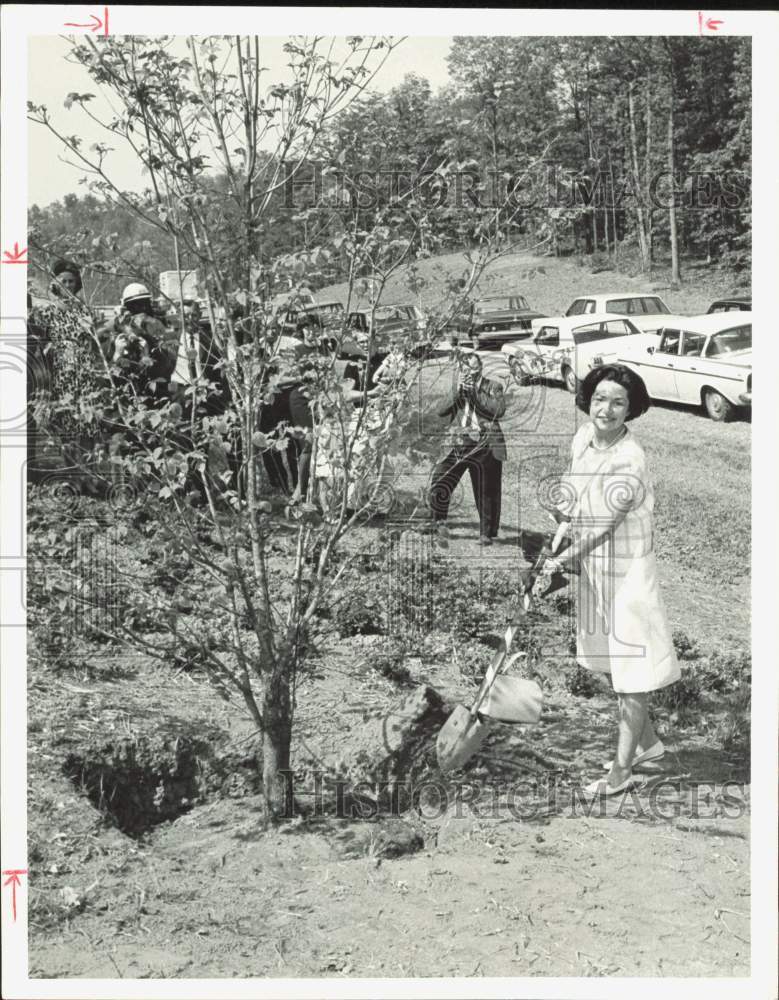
(475, 442)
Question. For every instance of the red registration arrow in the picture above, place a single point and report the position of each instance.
(17, 257)
(96, 24)
(711, 23)
(13, 880)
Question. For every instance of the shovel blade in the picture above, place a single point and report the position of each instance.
(459, 739)
(513, 699)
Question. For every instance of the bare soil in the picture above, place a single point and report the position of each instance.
(514, 875)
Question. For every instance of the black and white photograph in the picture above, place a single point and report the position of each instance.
(385, 547)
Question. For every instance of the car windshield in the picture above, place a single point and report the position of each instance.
(327, 308)
(548, 335)
(721, 307)
(586, 334)
(638, 304)
(611, 328)
(499, 305)
(653, 306)
(728, 341)
(394, 312)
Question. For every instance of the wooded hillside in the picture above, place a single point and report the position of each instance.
(632, 149)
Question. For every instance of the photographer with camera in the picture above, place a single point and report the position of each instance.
(139, 346)
(474, 442)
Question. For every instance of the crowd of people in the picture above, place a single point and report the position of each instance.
(158, 356)
(606, 497)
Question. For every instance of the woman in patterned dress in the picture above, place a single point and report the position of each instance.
(72, 362)
(621, 623)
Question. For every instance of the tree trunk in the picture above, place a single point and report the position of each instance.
(648, 170)
(675, 275)
(591, 156)
(276, 740)
(643, 243)
(613, 209)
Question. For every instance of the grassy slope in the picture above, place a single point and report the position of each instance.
(553, 290)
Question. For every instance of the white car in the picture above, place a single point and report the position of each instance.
(704, 361)
(565, 348)
(645, 310)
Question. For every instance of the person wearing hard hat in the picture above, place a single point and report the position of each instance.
(139, 346)
(136, 299)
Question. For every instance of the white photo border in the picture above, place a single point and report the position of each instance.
(19, 24)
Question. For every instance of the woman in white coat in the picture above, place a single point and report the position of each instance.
(621, 623)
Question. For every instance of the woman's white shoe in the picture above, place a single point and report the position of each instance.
(602, 789)
(655, 752)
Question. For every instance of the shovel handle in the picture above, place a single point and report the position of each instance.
(562, 531)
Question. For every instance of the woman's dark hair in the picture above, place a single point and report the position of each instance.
(638, 397)
(67, 265)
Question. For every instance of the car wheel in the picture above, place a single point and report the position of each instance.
(717, 407)
(570, 381)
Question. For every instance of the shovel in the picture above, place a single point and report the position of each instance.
(499, 698)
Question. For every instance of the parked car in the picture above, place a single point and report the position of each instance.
(386, 320)
(706, 361)
(329, 315)
(735, 304)
(390, 322)
(564, 348)
(645, 309)
(493, 321)
(281, 304)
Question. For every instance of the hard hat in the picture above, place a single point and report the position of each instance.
(135, 291)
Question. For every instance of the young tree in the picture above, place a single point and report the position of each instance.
(220, 147)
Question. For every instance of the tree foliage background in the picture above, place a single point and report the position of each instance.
(596, 110)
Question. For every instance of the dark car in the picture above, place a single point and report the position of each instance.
(735, 304)
(495, 320)
(328, 315)
(404, 323)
